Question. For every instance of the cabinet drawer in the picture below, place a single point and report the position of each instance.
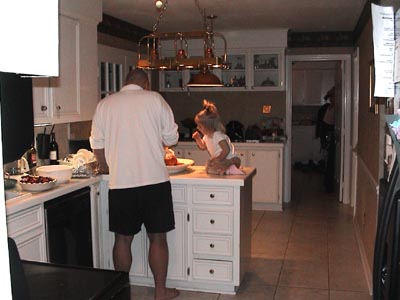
(212, 195)
(212, 245)
(211, 221)
(212, 270)
(24, 221)
(178, 193)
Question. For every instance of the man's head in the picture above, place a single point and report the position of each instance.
(138, 77)
(330, 95)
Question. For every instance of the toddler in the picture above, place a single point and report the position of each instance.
(223, 158)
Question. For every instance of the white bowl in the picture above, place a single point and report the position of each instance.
(62, 173)
(38, 187)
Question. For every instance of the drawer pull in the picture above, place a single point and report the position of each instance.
(212, 221)
(212, 245)
(212, 196)
(211, 271)
(43, 108)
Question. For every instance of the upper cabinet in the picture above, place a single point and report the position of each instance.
(248, 70)
(267, 70)
(73, 95)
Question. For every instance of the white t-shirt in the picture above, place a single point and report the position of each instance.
(132, 126)
(213, 146)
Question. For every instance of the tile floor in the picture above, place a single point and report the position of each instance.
(306, 252)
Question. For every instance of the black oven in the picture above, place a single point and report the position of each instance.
(68, 228)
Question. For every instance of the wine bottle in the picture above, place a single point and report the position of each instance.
(53, 150)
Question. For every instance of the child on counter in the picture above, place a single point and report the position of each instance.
(223, 157)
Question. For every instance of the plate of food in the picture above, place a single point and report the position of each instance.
(174, 164)
(31, 183)
(181, 165)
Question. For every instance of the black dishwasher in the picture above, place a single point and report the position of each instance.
(68, 226)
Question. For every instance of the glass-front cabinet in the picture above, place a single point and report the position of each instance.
(246, 70)
(172, 80)
(267, 70)
(234, 76)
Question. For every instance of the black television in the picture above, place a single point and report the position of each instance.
(16, 106)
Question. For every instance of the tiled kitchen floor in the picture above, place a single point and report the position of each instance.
(306, 252)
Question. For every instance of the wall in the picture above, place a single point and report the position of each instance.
(245, 107)
(368, 154)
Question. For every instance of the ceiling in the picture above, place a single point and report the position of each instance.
(297, 15)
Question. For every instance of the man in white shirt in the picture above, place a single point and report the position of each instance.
(129, 131)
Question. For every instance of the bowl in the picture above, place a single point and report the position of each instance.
(62, 173)
(38, 187)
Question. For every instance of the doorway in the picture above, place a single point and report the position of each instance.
(342, 81)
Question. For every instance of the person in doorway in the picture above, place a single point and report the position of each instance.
(129, 131)
(223, 157)
(325, 130)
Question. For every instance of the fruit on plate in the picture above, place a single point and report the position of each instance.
(36, 179)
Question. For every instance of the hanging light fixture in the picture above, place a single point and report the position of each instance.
(155, 42)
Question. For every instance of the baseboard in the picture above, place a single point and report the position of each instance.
(364, 260)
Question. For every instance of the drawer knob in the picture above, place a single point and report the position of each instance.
(211, 271)
(212, 196)
(43, 108)
(212, 245)
(212, 221)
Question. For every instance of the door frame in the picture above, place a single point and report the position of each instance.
(346, 126)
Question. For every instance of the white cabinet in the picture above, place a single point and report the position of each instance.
(305, 146)
(210, 245)
(311, 81)
(258, 70)
(267, 158)
(267, 184)
(72, 96)
(28, 230)
(140, 270)
(267, 69)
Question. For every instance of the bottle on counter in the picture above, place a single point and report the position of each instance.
(30, 156)
(53, 150)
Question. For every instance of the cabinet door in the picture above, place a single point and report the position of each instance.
(267, 183)
(65, 89)
(267, 70)
(177, 241)
(32, 246)
(234, 76)
(200, 157)
(42, 104)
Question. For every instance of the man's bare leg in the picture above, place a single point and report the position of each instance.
(158, 261)
(122, 255)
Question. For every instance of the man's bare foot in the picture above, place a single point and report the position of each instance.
(167, 294)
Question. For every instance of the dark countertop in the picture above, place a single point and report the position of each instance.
(52, 281)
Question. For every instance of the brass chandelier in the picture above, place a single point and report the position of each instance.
(153, 43)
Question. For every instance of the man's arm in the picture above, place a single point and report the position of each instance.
(101, 160)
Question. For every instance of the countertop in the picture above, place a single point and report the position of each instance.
(27, 199)
(198, 175)
(193, 174)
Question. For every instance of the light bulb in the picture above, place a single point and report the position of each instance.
(159, 3)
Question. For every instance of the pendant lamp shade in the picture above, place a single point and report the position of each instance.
(204, 79)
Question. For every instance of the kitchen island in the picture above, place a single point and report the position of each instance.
(211, 244)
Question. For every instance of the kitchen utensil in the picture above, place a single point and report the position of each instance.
(183, 164)
(62, 173)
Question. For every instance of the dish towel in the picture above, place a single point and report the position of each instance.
(233, 170)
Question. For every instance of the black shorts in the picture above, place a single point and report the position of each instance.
(150, 205)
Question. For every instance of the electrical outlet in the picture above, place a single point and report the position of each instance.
(266, 109)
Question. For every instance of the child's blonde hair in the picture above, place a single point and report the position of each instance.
(209, 117)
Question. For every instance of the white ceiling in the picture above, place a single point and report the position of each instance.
(298, 15)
